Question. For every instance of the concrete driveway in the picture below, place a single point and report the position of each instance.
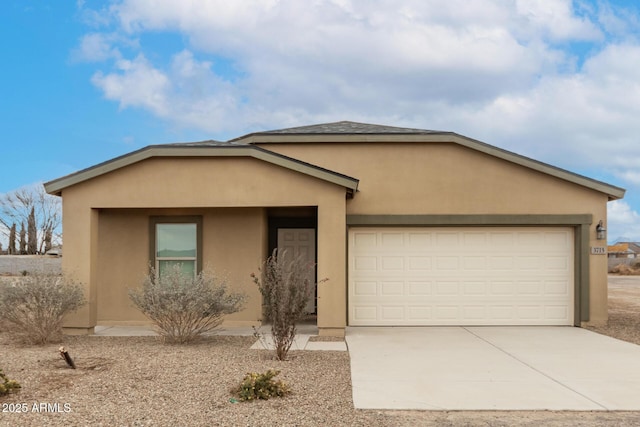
(492, 368)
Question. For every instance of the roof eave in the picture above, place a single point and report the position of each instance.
(56, 186)
(613, 192)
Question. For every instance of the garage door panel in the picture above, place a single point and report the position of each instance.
(392, 289)
(556, 263)
(363, 288)
(366, 313)
(475, 239)
(419, 240)
(474, 276)
(447, 263)
(558, 312)
(390, 240)
(502, 288)
(526, 288)
(474, 288)
(392, 263)
(418, 263)
(418, 288)
(498, 263)
(558, 287)
(475, 312)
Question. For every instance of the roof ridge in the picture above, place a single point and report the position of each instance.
(343, 127)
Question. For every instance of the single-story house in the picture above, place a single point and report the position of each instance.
(624, 250)
(409, 226)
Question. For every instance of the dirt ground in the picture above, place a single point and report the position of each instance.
(624, 309)
(139, 381)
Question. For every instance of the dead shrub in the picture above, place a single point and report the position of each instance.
(184, 306)
(286, 287)
(625, 270)
(35, 305)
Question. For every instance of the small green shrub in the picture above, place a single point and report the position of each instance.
(261, 386)
(35, 305)
(184, 306)
(6, 385)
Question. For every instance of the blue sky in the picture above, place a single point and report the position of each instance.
(85, 81)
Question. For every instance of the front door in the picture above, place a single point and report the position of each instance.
(301, 241)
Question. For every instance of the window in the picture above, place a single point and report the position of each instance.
(176, 240)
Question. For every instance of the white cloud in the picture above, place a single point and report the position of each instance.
(96, 47)
(502, 72)
(623, 222)
(587, 119)
(137, 84)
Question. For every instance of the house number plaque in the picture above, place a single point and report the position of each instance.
(597, 250)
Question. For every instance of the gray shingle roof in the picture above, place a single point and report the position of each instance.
(208, 143)
(344, 128)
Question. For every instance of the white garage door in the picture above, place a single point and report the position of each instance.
(461, 276)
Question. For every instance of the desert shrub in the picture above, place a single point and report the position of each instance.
(184, 306)
(261, 386)
(6, 385)
(35, 305)
(286, 286)
(624, 270)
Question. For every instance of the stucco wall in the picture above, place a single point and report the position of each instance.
(105, 218)
(445, 178)
(234, 242)
(441, 178)
(105, 222)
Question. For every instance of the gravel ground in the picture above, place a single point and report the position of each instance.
(16, 264)
(138, 381)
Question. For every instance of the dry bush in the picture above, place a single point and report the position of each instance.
(35, 305)
(626, 270)
(183, 306)
(285, 289)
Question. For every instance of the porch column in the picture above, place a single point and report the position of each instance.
(332, 258)
(79, 262)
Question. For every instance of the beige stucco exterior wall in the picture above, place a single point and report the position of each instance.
(598, 268)
(230, 193)
(106, 218)
(234, 242)
(445, 178)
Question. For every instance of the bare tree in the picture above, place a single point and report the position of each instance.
(32, 233)
(23, 240)
(16, 207)
(48, 236)
(286, 285)
(11, 250)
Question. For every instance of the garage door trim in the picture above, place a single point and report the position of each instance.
(580, 222)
